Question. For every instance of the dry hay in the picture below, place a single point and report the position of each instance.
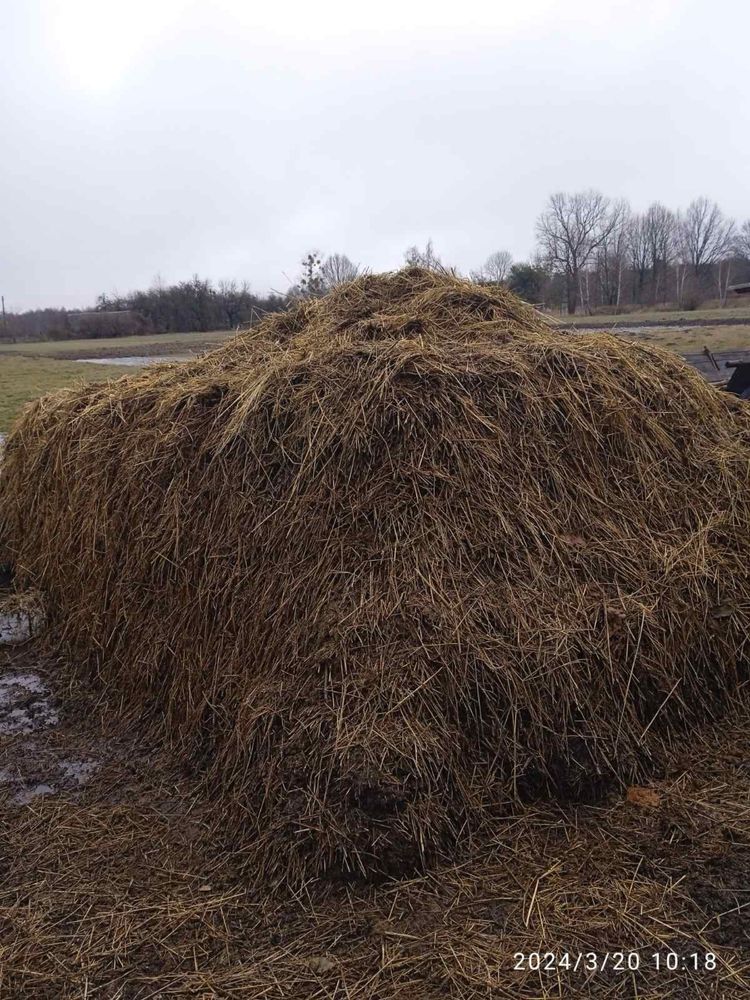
(411, 304)
(425, 560)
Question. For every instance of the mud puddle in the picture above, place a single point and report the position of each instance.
(140, 360)
(32, 768)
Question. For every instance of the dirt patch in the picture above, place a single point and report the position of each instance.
(35, 759)
(14, 628)
(25, 704)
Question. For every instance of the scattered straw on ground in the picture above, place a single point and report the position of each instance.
(124, 889)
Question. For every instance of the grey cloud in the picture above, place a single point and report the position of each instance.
(230, 151)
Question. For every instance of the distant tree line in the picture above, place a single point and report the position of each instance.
(592, 253)
(194, 305)
(599, 254)
(605, 255)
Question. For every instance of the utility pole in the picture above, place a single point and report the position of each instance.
(5, 318)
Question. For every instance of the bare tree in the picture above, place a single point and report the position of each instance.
(570, 230)
(742, 241)
(337, 269)
(427, 258)
(723, 277)
(495, 269)
(705, 234)
(638, 253)
(682, 263)
(230, 301)
(612, 255)
(660, 231)
(311, 282)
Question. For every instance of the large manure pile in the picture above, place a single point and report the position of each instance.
(403, 556)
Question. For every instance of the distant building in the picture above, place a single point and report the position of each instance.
(743, 289)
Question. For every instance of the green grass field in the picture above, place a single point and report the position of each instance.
(149, 344)
(23, 379)
(28, 370)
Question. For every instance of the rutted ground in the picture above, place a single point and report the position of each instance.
(683, 338)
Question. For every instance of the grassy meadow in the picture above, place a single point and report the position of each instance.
(683, 340)
(23, 379)
(118, 347)
(686, 332)
(30, 369)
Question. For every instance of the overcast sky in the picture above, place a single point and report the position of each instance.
(168, 137)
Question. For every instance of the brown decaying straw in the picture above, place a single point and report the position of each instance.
(397, 559)
(122, 889)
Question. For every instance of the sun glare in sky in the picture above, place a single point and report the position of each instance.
(98, 42)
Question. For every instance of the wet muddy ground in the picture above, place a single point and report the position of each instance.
(33, 764)
(136, 360)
